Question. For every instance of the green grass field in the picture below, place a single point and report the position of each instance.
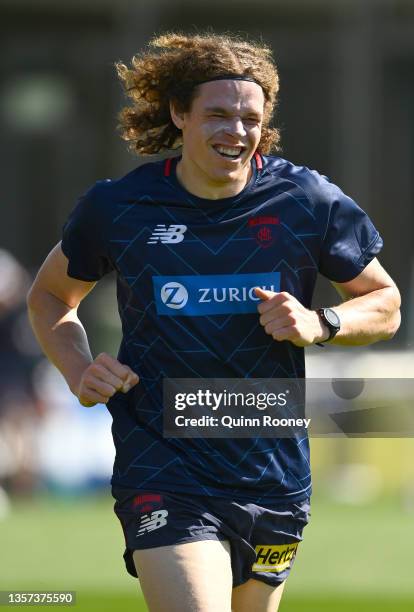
(353, 558)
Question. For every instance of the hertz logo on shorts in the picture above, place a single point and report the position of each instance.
(274, 558)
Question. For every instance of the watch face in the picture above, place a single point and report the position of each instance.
(332, 317)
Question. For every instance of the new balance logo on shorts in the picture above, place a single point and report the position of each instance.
(167, 235)
(274, 558)
(150, 522)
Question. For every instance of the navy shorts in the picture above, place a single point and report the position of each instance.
(263, 540)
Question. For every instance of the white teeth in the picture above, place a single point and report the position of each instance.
(228, 150)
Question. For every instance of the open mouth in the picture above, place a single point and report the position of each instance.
(228, 152)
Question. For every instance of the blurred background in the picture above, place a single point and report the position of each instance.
(346, 108)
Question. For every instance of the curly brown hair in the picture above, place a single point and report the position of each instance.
(172, 72)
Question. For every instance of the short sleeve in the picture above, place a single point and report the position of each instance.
(350, 241)
(83, 239)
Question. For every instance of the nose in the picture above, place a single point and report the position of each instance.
(235, 127)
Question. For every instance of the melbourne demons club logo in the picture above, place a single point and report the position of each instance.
(147, 502)
(263, 230)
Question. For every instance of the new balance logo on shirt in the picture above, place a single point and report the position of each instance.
(150, 522)
(167, 235)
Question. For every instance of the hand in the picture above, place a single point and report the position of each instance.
(103, 378)
(284, 318)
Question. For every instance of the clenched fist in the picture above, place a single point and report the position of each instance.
(103, 378)
(284, 318)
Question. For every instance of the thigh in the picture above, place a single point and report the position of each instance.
(190, 577)
(257, 596)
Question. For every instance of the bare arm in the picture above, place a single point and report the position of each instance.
(53, 302)
(370, 312)
(371, 308)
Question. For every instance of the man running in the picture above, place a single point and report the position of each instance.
(216, 253)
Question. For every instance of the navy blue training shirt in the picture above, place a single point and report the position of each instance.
(185, 271)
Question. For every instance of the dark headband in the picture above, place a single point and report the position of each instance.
(230, 77)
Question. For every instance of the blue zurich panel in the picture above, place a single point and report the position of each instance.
(200, 295)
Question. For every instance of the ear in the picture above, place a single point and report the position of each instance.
(176, 116)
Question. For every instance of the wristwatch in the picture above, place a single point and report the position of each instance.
(331, 320)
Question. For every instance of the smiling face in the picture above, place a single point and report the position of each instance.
(220, 134)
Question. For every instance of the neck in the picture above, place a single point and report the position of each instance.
(197, 182)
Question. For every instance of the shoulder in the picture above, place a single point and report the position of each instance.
(315, 186)
(135, 183)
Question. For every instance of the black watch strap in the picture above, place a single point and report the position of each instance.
(331, 320)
